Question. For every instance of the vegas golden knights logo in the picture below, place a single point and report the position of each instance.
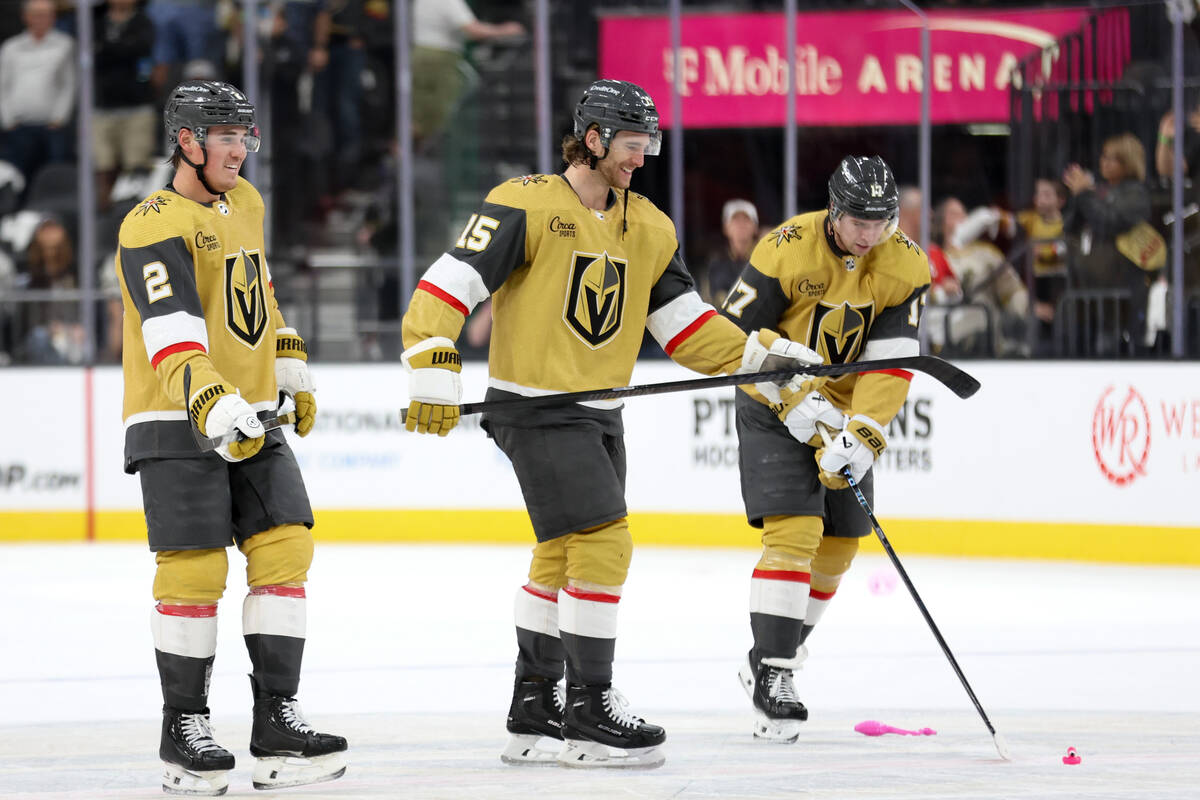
(595, 297)
(838, 332)
(245, 297)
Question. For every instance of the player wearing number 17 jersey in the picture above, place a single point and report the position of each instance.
(577, 267)
(846, 283)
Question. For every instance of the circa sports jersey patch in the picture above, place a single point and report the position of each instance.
(154, 204)
(838, 331)
(595, 300)
(245, 297)
(785, 234)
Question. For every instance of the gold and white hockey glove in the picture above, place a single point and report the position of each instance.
(293, 378)
(766, 350)
(434, 385)
(217, 409)
(802, 407)
(856, 447)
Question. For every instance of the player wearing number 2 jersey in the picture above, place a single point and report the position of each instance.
(849, 285)
(577, 267)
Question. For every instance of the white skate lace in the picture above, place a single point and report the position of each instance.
(290, 711)
(781, 687)
(618, 709)
(198, 732)
(560, 698)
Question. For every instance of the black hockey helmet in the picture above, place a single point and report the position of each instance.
(618, 106)
(863, 187)
(199, 105)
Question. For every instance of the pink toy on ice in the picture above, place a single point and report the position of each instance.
(873, 728)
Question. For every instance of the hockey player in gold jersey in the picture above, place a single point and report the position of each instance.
(577, 267)
(846, 283)
(204, 339)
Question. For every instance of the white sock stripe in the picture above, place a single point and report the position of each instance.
(275, 615)
(194, 637)
(816, 607)
(779, 598)
(533, 612)
(587, 617)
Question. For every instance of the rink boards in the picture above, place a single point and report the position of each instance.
(1095, 461)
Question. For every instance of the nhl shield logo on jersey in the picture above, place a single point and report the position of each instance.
(595, 297)
(245, 297)
(838, 331)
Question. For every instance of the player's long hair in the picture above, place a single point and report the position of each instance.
(574, 151)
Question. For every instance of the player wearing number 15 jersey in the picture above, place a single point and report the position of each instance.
(577, 267)
(205, 345)
(846, 283)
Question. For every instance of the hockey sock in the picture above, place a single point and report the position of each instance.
(540, 651)
(587, 620)
(273, 623)
(185, 644)
(778, 603)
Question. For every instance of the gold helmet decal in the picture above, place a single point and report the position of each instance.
(595, 297)
(245, 297)
(838, 331)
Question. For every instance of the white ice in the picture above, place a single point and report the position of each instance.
(410, 655)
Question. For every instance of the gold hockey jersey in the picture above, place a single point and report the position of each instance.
(194, 282)
(572, 291)
(802, 285)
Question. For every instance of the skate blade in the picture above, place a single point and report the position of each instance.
(782, 731)
(276, 772)
(525, 750)
(581, 754)
(177, 780)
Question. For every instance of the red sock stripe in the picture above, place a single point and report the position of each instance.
(682, 336)
(444, 296)
(595, 597)
(178, 347)
(281, 591)
(186, 611)
(782, 575)
(815, 595)
(538, 593)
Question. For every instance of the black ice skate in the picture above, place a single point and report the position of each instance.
(289, 751)
(599, 731)
(778, 711)
(535, 714)
(193, 762)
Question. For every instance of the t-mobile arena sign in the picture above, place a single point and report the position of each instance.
(852, 67)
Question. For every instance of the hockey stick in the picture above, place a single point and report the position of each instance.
(951, 376)
(270, 420)
(1001, 745)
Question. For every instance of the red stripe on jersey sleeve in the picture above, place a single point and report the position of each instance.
(782, 575)
(178, 347)
(689, 330)
(444, 296)
(899, 373)
(595, 597)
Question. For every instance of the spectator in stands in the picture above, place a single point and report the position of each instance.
(1106, 215)
(184, 30)
(55, 335)
(739, 225)
(910, 213)
(1041, 228)
(994, 300)
(125, 125)
(37, 91)
(1164, 163)
(440, 28)
(340, 87)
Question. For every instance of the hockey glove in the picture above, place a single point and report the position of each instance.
(856, 447)
(434, 385)
(293, 378)
(216, 410)
(802, 407)
(766, 350)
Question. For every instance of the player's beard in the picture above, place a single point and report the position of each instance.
(613, 174)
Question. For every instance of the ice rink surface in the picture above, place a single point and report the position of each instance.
(410, 656)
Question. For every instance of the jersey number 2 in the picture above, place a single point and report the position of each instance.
(478, 233)
(157, 285)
